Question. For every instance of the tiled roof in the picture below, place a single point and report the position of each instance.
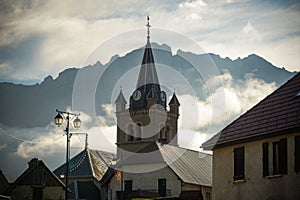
(88, 163)
(277, 113)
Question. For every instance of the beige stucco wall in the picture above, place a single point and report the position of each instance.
(49, 192)
(255, 186)
(148, 180)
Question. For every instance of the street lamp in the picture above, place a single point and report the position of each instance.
(61, 115)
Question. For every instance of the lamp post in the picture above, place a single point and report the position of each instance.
(76, 123)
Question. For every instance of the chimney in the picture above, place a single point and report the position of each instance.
(33, 162)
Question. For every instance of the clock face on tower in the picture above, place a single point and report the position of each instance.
(162, 96)
(137, 95)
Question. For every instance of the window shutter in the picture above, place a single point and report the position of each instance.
(239, 163)
(283, 156)
(297, 153)
(265, 159)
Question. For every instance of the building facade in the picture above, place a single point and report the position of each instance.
(258, 155)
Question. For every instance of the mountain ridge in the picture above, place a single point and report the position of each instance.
(41, 99)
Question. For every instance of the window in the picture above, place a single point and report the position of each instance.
(265, 159)
(297, 153)
(275, 158)
(280, 157)
(37, 193)
(128, 186)
(130, 132)
(207, 196)
(162, 187)
(138, 135)
(239, 163)
(162, 134)
(168, 133)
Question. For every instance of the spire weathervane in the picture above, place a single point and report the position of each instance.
(148, 27)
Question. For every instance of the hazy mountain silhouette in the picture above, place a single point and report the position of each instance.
(34, 105)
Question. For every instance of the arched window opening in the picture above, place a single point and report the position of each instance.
(130, 132)
(168, 135)
(138, 135)
(162, 133)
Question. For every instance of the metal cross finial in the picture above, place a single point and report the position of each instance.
(148, 27)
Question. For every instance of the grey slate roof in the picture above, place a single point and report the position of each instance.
(121, 98)
(276, 114)
(88, 163)
(174, 100)
(191, 166)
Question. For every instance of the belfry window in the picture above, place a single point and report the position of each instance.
(138, 132)
(130, 132)
(162, 133)
(168, 133)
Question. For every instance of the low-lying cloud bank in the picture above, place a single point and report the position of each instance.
(198, 121)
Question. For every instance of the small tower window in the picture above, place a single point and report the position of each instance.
(130, 132)
(138, 135)
(162, 133)
(168, 133)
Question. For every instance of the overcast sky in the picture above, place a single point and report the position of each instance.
(38, 38)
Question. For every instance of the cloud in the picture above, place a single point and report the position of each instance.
(3, 146)
(192, 4)
(193, 16)
(68, 32)
(209, 117)
(226, 102)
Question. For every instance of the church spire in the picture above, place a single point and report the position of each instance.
(147, 79)
(148, 29)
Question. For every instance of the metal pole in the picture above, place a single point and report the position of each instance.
(121, 171)
(67, 156)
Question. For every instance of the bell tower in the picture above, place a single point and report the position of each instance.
(147, 120)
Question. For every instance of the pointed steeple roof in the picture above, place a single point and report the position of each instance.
(174, 100)
(148, 76)
(121, 98)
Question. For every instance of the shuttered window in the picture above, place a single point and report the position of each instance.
(297, 153)
(280, 157)
(239, 163)
(265, 159)
(283, 156)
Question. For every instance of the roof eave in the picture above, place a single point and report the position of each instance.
(251, 138)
